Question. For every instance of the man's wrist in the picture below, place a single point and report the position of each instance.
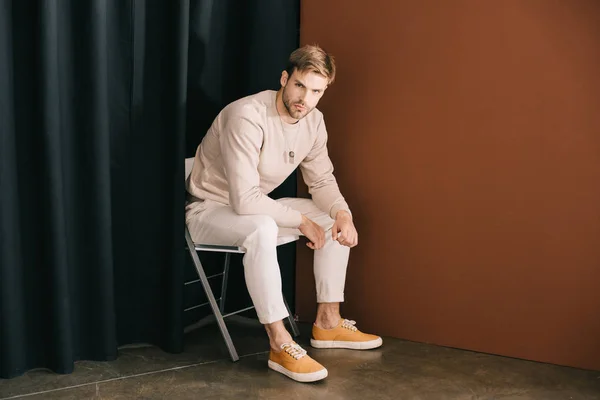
(343, 214)
(304, 221)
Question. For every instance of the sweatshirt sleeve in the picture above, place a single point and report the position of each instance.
(240, 142)
(317, 171)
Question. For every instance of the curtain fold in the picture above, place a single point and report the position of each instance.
(100, 102)
(10, 244)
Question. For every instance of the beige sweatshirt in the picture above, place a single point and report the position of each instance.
(245, 155)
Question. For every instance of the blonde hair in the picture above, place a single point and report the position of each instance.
(312, 58)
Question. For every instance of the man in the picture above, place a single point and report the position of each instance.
(253, 145)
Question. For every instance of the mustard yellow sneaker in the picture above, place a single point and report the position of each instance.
(344, 336)
(293, 362)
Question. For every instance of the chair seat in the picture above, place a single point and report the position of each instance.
(281, 240)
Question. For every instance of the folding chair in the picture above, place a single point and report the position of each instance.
(219, 309)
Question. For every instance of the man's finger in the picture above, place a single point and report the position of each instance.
(344, 235)
(334, 231)
(350, 238)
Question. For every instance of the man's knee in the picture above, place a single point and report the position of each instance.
(265, 228)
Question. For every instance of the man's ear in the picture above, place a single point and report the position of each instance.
(284, 78)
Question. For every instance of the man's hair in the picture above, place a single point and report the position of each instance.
(312, 58)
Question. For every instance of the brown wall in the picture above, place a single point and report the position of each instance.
(466, 138)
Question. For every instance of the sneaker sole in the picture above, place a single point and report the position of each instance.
(305, 377)
(337, 344)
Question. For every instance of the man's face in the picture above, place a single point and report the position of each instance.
(302, 91)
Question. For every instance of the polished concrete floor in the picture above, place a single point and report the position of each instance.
(398, 370)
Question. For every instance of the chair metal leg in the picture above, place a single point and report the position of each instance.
(224, 283)
(211, 297)
(295, 330)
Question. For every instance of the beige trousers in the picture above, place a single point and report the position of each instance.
(217, 223)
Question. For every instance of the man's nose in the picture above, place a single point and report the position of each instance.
(304, 96)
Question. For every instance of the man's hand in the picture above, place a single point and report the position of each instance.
(343, 229)
(313, 232)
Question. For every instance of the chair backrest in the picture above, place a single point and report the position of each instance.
(189, 163)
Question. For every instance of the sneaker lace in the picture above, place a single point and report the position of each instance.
(294, 350)
(349, 324)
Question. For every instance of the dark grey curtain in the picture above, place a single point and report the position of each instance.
(100, 101)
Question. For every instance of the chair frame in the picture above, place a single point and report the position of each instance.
(219, 308)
